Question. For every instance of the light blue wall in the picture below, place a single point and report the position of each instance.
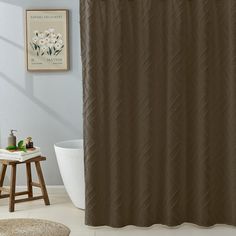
(46, 106)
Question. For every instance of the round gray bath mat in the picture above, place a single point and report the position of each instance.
(32, 227)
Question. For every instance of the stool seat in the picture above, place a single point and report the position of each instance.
(32, 227)
(11, 192)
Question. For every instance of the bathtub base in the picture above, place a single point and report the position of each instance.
(70, 158)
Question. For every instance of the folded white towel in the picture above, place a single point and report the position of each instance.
(19, 155)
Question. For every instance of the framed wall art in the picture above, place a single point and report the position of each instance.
(47, 40)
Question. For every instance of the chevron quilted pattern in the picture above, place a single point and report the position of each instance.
(159, 84)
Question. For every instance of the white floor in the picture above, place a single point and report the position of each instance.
(62, 210)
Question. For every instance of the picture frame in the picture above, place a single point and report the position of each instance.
(47, 40)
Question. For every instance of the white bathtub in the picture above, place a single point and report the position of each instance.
(70, 158)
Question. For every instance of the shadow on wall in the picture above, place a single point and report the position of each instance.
(12, 43)
(54, 100)
(29, 94)
(75, 70)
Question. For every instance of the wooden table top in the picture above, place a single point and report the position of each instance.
(13, 162)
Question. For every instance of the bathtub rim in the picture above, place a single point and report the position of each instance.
(62, 144)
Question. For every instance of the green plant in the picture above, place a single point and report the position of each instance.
(21, 147)
(10, 148)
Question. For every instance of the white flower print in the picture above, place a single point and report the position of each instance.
(52, 35)
(51, 30)
(35, 39)
(60, 41)
(53, 40)
(41, 42)
(47, 43)
(58, 46)
(47, 40)
(41, 35)
(44, 48)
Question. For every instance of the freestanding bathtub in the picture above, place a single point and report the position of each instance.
(70, 158)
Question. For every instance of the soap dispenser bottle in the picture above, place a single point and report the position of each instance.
(12, 138)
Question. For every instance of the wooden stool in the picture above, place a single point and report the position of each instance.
(12, 193)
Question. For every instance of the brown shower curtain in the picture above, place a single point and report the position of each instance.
(159, 81)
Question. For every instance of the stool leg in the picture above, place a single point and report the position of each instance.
(42, 183)
(29, 180)
(3, 173)
(12, 188)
